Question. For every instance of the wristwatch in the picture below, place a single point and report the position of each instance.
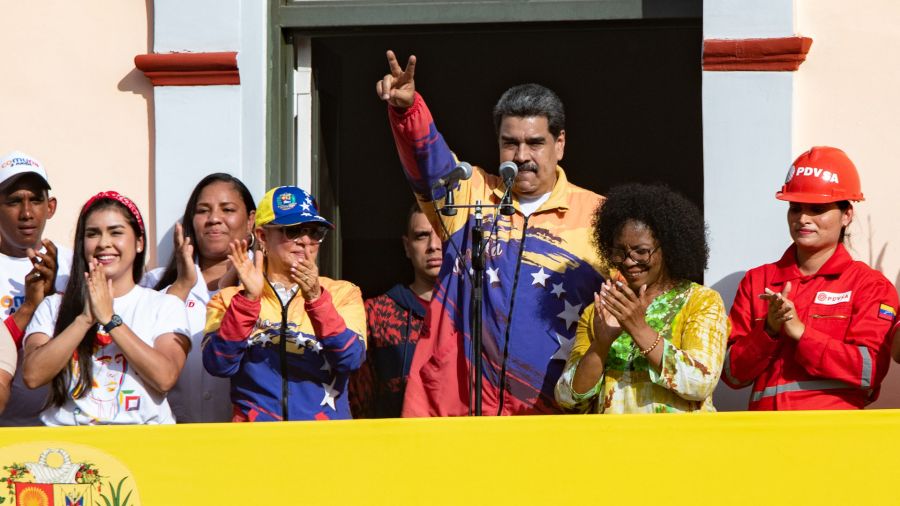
(113, 322)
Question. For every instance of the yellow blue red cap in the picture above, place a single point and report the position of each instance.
(288, 205)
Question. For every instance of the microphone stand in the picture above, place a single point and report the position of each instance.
(477, 298)
(478, 267)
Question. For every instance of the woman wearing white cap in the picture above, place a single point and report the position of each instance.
(287, 337)
(810, 331)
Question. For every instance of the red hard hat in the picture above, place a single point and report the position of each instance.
(821, 175)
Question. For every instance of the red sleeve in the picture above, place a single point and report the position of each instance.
(325, 319)
(239, 319)
(415, 399)
(15, 332)
(362, 380)
(750, 348)
(855, 350)
(334, 318)
(424, 154)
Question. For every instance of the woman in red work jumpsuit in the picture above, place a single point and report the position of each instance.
(811, 331)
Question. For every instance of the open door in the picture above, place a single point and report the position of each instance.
(632, 91)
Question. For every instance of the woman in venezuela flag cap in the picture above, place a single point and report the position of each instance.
(287, 337)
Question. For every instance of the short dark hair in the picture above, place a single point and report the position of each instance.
(26, 178)
(413, 209)
(528, 100)
(674, 221)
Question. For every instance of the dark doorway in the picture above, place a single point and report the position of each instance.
(632, 92)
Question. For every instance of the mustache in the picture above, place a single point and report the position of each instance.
(529, 166)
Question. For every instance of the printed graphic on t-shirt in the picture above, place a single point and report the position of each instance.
(12, 282)
(109, 393)
(14, 296)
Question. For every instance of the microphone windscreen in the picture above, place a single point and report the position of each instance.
(508, 170)
(465, 170)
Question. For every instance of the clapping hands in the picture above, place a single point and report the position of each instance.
(41, 281)
(629, 309)
(250, 272)
(782, 315)
(98, 307)
(305, 273)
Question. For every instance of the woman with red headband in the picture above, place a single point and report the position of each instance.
(810, 331)
(110, 348)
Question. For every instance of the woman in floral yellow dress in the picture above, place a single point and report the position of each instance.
(654, 339)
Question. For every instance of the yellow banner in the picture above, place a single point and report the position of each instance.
(728, 458)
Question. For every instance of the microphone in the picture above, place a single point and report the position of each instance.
(508, 171)
(461, 172)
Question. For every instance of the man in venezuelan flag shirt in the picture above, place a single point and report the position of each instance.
(540, 267)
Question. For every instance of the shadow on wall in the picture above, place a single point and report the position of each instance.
(725, 398)
(890, 386)
(135, 82)
(727, 287)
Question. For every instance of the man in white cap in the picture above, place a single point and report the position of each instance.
(28, 273)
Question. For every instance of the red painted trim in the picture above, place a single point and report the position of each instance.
(782, 54)
(189, 69)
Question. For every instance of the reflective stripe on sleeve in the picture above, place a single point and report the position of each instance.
(798, 386)
(865, 380)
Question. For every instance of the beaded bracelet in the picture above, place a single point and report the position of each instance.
(652, 346)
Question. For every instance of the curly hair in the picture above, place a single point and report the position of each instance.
(674, 221)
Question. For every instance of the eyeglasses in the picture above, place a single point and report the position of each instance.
(639, 255)
(316, 233)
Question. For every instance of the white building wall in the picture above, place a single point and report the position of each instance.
(71, 97)
(747, 148)
(197, 132)
(198, 26)
(846, 96)
(747, 19)
(252, 65)
(204, 129)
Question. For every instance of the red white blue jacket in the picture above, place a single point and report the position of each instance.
(286, 363)
(394, 321)
(541, 271)
(844, 353)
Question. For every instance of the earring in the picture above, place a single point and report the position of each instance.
(252, 241)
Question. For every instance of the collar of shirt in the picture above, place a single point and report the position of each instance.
(786, 268)
(284, 293)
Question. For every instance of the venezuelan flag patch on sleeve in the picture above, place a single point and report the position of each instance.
(886, 312)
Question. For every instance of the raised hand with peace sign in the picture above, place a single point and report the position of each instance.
(398, 87)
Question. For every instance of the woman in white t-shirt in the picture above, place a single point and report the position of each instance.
(218, 211)
(109, 348)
